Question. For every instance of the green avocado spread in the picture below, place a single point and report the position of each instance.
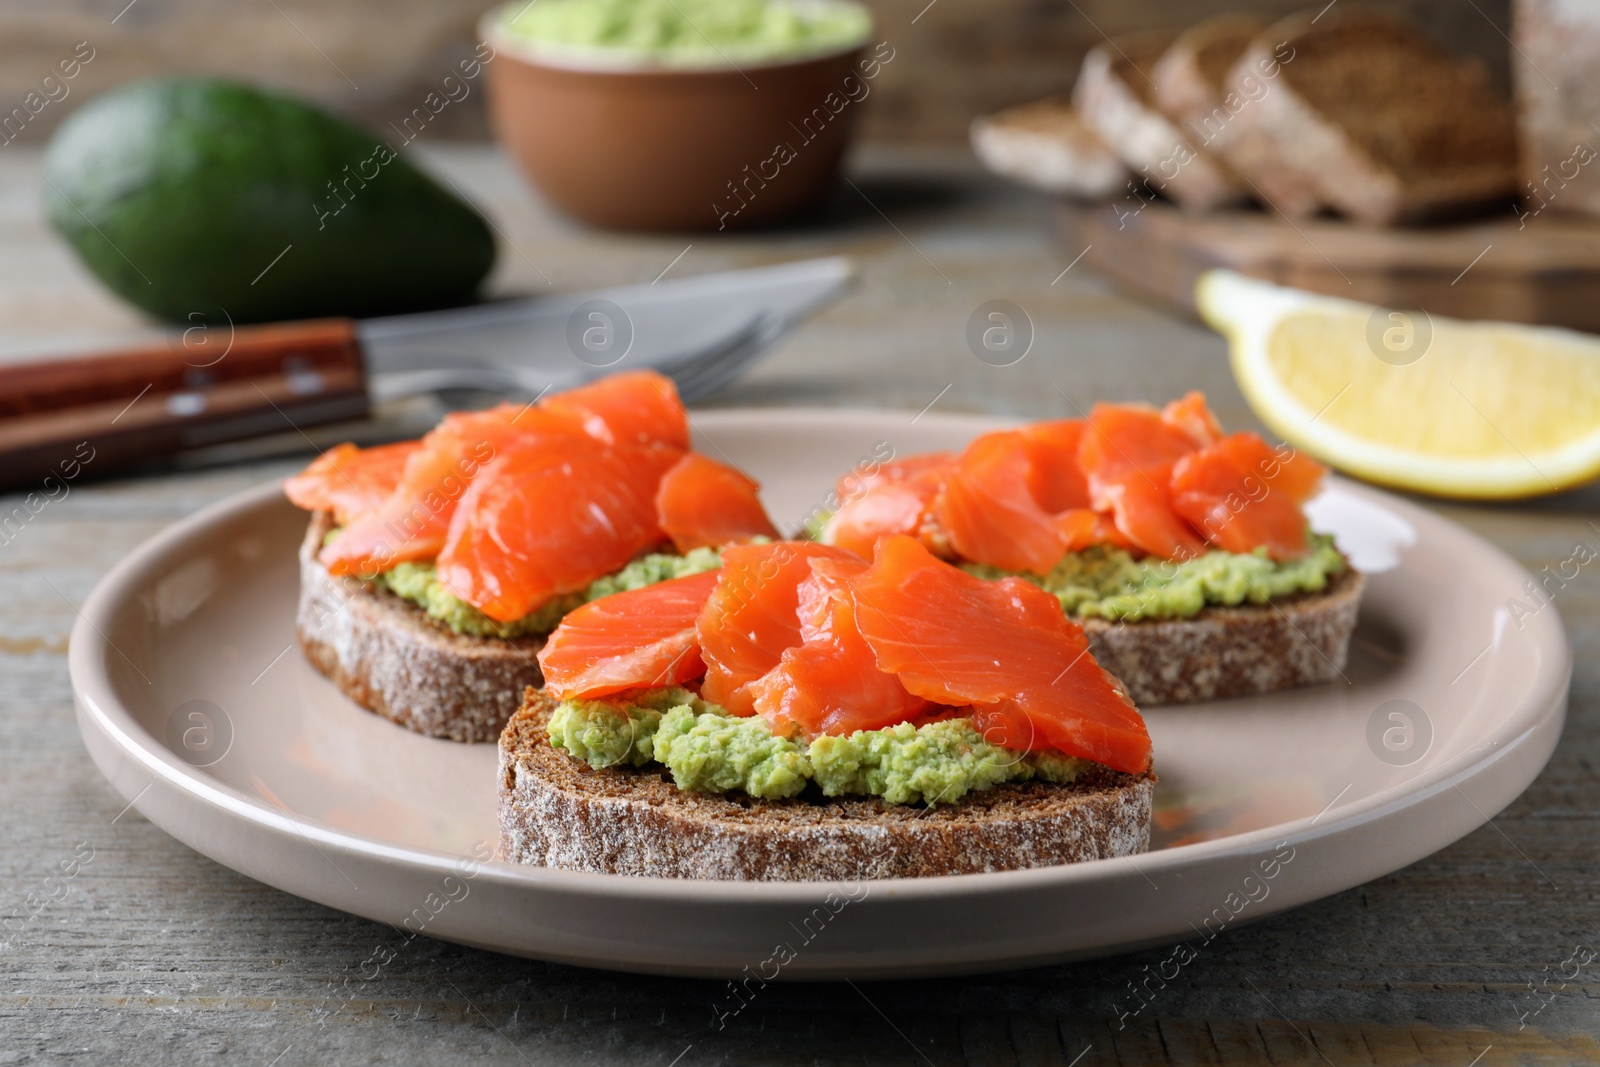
(1110, 583)
(705, 749)
(419, 583)
(689, 32)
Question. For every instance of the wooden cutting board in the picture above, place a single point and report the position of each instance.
(1545, 272)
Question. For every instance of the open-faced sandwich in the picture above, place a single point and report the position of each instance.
(1184, 553)
(802, 713)
(433, 569)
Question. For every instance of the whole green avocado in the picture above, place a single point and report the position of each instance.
(197, 197)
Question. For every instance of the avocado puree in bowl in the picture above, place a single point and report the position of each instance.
(684, 33)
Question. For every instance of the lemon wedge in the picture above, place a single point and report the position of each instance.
(1480, 410)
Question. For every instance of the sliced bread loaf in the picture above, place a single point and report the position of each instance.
(1046, 145)
(387, 655)
(1194, 87)
(1229, 652)
(1116, 97)
(556, 811)
(1388, 127)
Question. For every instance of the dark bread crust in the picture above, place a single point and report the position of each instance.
(1193, 87)
(1427, 138)
(1228, 652)
(556, 811)
(1116, 99)
(387, 655)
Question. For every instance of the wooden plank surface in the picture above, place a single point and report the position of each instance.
(1541, 269)
(153, 954)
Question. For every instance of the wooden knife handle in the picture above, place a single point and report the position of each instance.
(103, 413)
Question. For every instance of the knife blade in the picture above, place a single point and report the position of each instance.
(98, 414)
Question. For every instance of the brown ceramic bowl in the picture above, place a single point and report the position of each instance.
(670, 148)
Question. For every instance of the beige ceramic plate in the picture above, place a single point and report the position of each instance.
(1455, 699)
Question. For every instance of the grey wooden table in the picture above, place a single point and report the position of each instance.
(155, 954)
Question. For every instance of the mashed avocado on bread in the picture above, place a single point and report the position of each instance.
(419, 583)
(689, 32)
(1109, 583)
(708, 750)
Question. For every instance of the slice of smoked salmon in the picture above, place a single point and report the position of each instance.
(1245, 495)
(1142, 510)
(703, 502)
(830, 683)
(988, 507)
(897, 498)
(1081, 528)
(1124, 438)
(1004, 647)
(1057, 482)
(412, 523)
(549, 516)
(1294, 472)
(635, 408)
(640, 638)
(752, 616)
(349, 481)
(1190, 414)
(1127, 455)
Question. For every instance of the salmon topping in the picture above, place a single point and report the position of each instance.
(753, 616)
(349, 481)
(702, 502)
(1020, 499)
(821, 642)
(897, 498)
(524, 502)
(637, 639)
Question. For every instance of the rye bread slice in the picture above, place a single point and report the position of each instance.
(1389, 127)
(389, 656)
(556, 811)
(1046, 146)
(1194, 86)
(1116, 98)
(1232, 651)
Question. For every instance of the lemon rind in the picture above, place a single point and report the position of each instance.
(1220, 293)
